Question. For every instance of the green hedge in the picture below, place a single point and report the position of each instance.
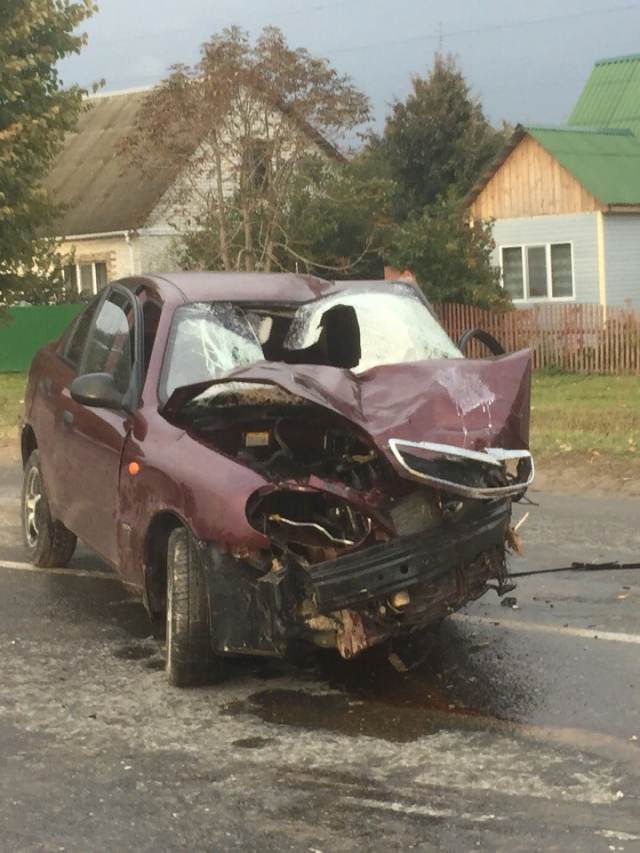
(24, 330)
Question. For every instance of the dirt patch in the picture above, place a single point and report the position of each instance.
(580, 473)
(9, 446)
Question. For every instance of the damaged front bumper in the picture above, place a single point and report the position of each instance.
(350, 602)
(378, 572)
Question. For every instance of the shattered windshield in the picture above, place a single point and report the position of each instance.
(209, 339)
(393, 323)
(355, 329)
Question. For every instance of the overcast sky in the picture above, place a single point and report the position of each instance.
(526, 60)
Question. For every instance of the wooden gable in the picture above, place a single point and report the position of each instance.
(530, 182)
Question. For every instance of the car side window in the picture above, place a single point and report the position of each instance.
(111, 347)
(76, 337)
(151, 311)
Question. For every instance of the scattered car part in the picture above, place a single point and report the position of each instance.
(579, 567)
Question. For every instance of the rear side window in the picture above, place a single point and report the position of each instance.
(111, 344)
(151, 312)
(76, 337)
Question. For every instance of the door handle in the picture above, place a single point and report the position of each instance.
(67, 417)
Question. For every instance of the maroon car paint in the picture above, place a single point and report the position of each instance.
(467, 403)
(85, 466)
(181, 476)
(48, 377)
(93, 445)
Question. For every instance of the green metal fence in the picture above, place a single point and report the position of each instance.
(24, 330)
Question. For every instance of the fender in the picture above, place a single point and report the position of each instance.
(206, 490)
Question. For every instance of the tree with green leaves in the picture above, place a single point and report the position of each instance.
(435, 145)
(449, 256)
(338, 220)
(36, 111)
(437, 140)
(243, 128)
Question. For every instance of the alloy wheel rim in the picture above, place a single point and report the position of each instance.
(32, 498)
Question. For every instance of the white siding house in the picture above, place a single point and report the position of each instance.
(117, 221)
(622, 259)
(565, 201)
(558, 257)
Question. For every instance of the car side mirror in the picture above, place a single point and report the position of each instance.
(98, 390)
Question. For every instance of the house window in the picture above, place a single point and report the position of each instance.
(543, 271)
(257, 164)
(86, 277)
(561, 270)
(513, 271)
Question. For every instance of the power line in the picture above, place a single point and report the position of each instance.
(438, 37)
(630, 7)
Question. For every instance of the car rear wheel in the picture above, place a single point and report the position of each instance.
(48, 542)
(190, 657)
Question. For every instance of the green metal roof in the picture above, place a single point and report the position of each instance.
(600, 145)
(605, 161)
(611, 96)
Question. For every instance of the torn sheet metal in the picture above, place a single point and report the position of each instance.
(470, 404)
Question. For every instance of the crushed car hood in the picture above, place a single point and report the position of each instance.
(468, 403)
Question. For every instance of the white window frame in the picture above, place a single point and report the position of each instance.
(94, 275)
(525, 270)
(524, 274)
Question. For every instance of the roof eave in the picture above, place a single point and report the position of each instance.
(622, 207)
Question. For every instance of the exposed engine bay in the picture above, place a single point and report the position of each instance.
(388, 489)
(334, 496)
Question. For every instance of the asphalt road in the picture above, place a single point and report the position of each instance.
(521, 731)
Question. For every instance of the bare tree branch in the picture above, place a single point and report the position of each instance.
(236, 127)
(311, 263)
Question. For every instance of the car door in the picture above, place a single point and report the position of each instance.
(54, 374)
(92, 439)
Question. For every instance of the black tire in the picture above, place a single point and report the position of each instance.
(190, 657)
(47, 541)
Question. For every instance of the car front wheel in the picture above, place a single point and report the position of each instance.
(190, 657)
(48, 542)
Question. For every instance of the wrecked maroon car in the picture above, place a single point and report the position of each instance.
(273, 459)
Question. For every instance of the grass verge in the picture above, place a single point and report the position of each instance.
(586, 414)
(11, 402)
(589, 425)
(585, 432)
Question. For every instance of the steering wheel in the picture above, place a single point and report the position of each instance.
(494, 346)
